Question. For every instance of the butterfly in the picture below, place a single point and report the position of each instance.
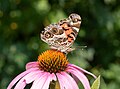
(61, 36)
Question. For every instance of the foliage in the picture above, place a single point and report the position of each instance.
(21, 22)
(96, 84)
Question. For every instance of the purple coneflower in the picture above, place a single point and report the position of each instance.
(51, 66)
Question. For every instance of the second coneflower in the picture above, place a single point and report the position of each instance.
(51, 66)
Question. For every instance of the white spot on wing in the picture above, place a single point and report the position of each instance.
(77, 29)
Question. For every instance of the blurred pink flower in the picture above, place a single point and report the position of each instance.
(41, 79)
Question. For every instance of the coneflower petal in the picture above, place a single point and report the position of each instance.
(32, 76)
(47, 82)
(21, 84)
(81, 77)
(80, 69)
(60, 82)
(53, 77)
(71, 80)
(19, 77)
(63, 81)
(32, 65)
(38, 83)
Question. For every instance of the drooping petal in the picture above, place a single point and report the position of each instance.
(80, 69)
(60, 82)
(38, 83)
(19, 77)
(21, 84)
(35, 83)
(64, 83)
(47, 82)
(28, 79)
(32, 65)
(80, 76)
(62, 86)
(71, 80)
(75, 78)
(32, 76)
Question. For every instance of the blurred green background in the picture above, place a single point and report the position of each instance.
(21, 22)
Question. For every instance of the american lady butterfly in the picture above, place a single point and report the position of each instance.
(62, 35)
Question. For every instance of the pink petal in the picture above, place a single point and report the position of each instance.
(28, 79)
(19, 77)
(60, 81)
(75, 78)
(80, 76)
(32, 76)
(38, 83)
(47, 82)
(71, 80)
(53, 77)
(31, 65)
(80, 69)
(64, 83)
(21, 84)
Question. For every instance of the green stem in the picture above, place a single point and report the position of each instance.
(54, 85)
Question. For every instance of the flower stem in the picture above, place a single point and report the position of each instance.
(54, 85)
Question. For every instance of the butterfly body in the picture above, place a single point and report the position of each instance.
(61, 36)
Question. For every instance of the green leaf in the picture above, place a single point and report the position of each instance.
(96, 83)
